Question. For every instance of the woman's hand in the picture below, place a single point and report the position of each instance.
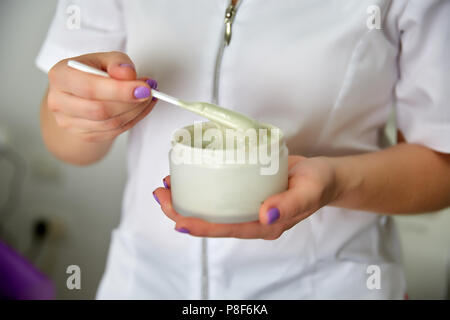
(95, 108)
(312, 185)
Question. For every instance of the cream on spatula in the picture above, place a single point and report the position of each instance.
(222, 116)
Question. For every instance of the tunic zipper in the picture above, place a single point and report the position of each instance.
(229, 17)
(230, 13)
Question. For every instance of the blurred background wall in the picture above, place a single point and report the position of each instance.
(84, 203)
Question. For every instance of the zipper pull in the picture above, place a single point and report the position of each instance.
(229, 16)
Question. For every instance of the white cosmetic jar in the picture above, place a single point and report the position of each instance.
(226, 184)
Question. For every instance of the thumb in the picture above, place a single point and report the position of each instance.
(118, 65)
(282, 206)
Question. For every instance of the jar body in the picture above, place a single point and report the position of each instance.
(225, 193)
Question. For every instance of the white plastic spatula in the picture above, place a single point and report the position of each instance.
(219, 115)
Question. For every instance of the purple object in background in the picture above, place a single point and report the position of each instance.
(20, 280)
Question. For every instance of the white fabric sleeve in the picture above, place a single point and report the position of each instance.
(101, 29)
(423, 88)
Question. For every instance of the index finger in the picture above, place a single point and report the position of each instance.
(94, 87)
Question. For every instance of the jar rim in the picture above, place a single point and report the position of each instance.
(239, 156)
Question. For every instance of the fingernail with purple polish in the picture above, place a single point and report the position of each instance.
(156, 198)
(182, 230)
(126, 65)
(165, 184)
(272, 215)
(141, 92)
(152, 83)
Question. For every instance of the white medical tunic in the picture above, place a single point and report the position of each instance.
(324, 73)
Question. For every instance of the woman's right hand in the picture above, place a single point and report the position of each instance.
(96, 108)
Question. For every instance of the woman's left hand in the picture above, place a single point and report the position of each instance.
(312, 185)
